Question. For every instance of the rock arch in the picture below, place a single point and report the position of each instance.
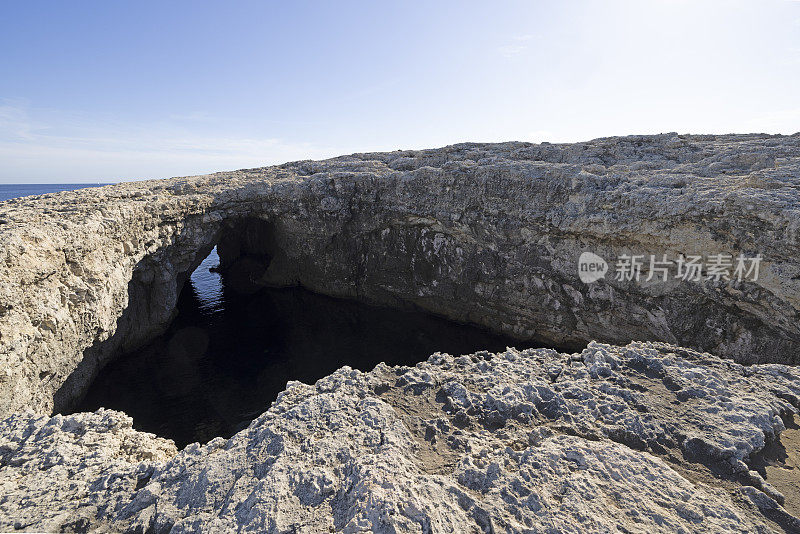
(487, 234)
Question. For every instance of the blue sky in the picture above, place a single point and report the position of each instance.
(109, 91)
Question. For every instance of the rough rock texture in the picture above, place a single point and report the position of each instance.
(644, 438)
(488, 234)
(67, 473)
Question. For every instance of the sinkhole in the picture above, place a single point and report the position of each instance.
(232, 348)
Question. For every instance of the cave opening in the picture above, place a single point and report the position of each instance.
(236, 341)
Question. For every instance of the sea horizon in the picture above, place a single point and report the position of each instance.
(12, 191)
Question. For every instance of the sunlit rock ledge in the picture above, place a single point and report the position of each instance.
(648, 436)
(486, 234)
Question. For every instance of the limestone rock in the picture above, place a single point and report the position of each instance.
(64, 473)
(488, 234)
(643, 437)
(473, 443)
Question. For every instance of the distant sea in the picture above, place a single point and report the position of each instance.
(8, 191)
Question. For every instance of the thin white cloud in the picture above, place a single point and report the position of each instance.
(516, 46)
(200, 116)
(512, 51)
(68, 148)
(15, 122)
(63, 162)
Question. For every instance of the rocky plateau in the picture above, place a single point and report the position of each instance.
(665, 406)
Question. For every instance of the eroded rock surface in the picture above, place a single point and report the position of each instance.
(646, 437)
(68, 473)
(613, 439)
(487, 234)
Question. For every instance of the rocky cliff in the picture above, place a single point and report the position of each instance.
(650, 436)
(647, 437)
(487, 234)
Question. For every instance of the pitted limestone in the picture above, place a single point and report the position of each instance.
(489, 234)
(474, 443)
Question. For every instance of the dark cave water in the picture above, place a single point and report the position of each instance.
(226, 356)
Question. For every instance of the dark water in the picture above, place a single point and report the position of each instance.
(227, 356)
(9, 191)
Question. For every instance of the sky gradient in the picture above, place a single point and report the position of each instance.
(107, 91)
